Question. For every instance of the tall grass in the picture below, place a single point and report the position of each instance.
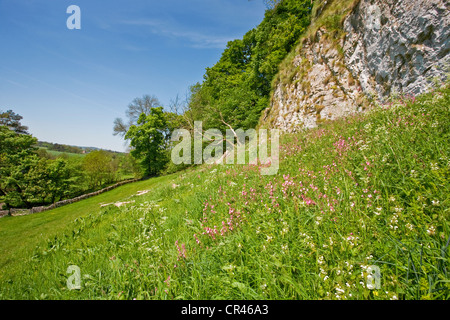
(368, 190)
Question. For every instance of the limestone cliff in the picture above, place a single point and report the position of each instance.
(375, 49)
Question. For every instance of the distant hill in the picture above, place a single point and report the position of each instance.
(68, 148)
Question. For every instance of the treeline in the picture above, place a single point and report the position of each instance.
(60, 147)
(68, 149)
(31, 177)
(233, 94)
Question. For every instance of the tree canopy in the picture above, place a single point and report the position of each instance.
(11, 120)
(237, 88)
(149, 139)
(25, 178)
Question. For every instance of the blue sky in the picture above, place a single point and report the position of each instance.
(70, 85)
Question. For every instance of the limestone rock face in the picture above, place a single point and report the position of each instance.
(390, 46)
(400, 44)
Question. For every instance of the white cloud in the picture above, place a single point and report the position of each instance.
(194, 38)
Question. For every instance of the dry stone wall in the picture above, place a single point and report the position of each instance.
(22, 212)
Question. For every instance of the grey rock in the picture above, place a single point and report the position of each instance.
(391, 46)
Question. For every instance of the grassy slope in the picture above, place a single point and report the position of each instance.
(372, 189)
(20, 235)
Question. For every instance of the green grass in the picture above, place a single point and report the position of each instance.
(368, 190)
(20, 235)
(63, 154)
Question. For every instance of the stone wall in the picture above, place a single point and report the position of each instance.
(23, 212)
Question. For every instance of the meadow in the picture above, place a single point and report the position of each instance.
(368, 190)
(57, 154)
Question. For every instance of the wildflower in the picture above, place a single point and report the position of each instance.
(269, 238)
(196, 239)
(167, 281)
(318, 220)
(435, 203)
(378, 211)
(431, 231)
(392, 198)
(340, 290)
(394, 297)
(434, 166)
(394, 222)
(320, 260)
(182, 251)
(409, 226)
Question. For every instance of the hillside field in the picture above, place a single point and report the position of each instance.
(371, 190)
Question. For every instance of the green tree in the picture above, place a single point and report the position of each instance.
(237, 88)
(14, 148)
(99, 169)
(62, 180)
(11, 120)
(129, 166)
(149, 140)
(37, 181)
(27, 176)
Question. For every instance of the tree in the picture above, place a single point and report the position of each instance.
(135, 109)
(37, 181)
(60, 180)
(129, 166)
(238, 86)
(271, 4)
(11, 120)
(14, 148)
(149, 140)
(99, 169)
(27, 179)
